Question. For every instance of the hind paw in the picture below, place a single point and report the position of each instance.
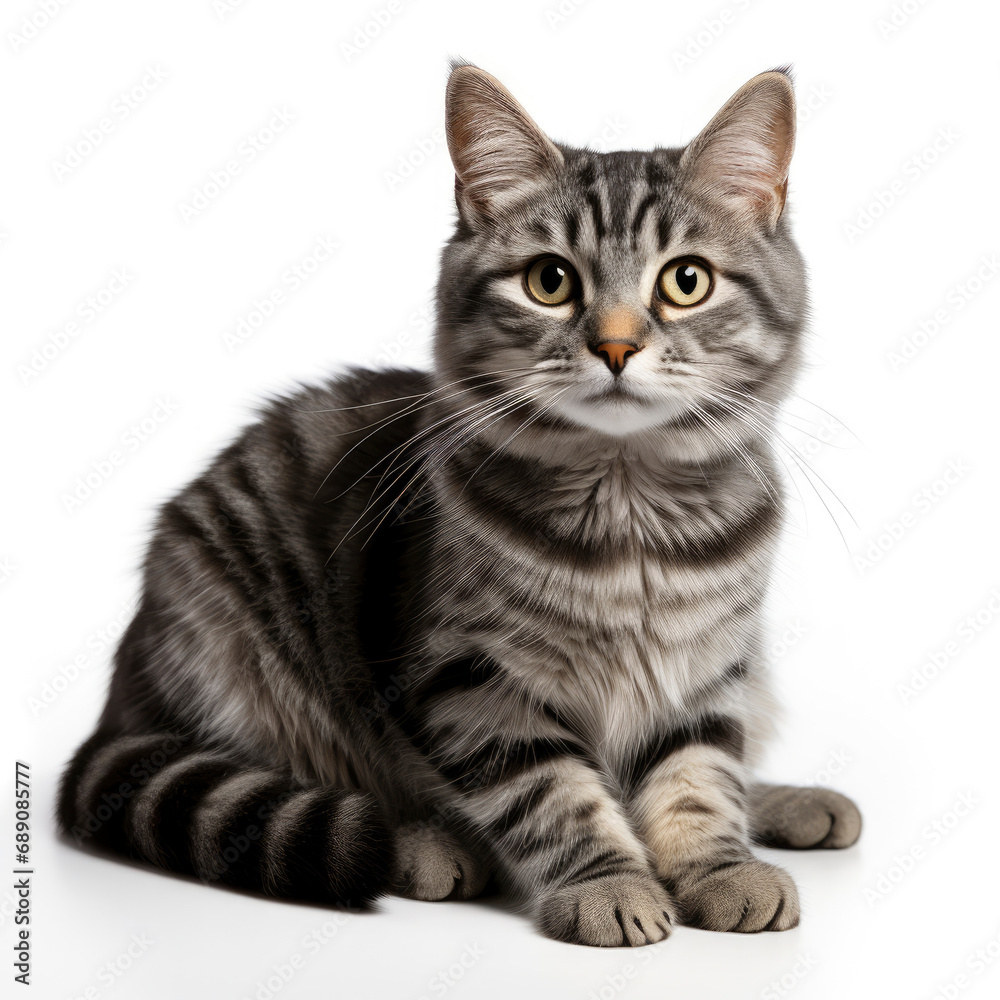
(431, 865)
(804, 818)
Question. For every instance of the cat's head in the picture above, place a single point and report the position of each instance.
(630, 293)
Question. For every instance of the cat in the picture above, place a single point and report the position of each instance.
(499, 624)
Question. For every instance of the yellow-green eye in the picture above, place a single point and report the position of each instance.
(684, 282)
(551, 281)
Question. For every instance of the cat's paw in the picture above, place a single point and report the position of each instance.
(431, 864)
(804, 818)
(622, 910)
(743, 896)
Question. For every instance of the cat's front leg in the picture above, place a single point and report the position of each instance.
(558, 837)
(691, 806)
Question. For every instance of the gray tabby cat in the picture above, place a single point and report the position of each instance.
(411, 630)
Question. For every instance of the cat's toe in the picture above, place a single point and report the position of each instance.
(432, 865)
(805, 818)
(622, 910)
(742, 896)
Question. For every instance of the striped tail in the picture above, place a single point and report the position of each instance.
(158, 798)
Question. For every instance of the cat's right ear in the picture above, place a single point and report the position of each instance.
(497, 150)
(742, 156)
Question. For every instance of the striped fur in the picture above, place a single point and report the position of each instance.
(412, 630)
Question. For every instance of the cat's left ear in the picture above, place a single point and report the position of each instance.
(497, 149)
(742, 156)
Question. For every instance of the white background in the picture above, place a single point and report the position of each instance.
(849, 636)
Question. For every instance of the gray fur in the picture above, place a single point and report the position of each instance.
(506, 618)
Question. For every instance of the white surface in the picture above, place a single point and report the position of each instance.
(606, 73)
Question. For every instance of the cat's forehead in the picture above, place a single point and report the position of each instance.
(616, 212)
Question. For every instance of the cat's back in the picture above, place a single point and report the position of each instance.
(266, 543)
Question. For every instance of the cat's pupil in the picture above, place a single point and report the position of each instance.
(551, 278)
(687, 279)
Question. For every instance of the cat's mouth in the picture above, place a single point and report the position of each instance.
(618, 391)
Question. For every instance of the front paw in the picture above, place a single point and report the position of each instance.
(805, 818)
(744, 896)
(622, 910)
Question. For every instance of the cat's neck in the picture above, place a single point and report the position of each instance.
(639, 492)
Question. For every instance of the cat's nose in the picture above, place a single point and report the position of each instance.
(620, 333)
(616, 354)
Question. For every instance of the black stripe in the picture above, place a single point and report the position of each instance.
(463, 674)
(102, 817)
(239, 844)
(500, 759)
(171, 815)
(522, 806)
(724, 733)
(541, 230)
(593, 199)
(640, 213)
(489, 489)
(322, 865)
(606, 863)
(572, 229)
(774, 318)
(663, 230)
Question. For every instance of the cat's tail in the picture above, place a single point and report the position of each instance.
(160, 799)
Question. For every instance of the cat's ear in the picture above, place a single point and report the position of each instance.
(497, 150)
(742, 156)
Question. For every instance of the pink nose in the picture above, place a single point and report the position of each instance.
(616, 353)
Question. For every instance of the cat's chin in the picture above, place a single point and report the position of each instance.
(621, 416)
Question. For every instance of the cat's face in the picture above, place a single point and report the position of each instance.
(625, 292)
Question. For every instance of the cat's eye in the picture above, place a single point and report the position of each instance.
(551, 281)
(684, 282)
